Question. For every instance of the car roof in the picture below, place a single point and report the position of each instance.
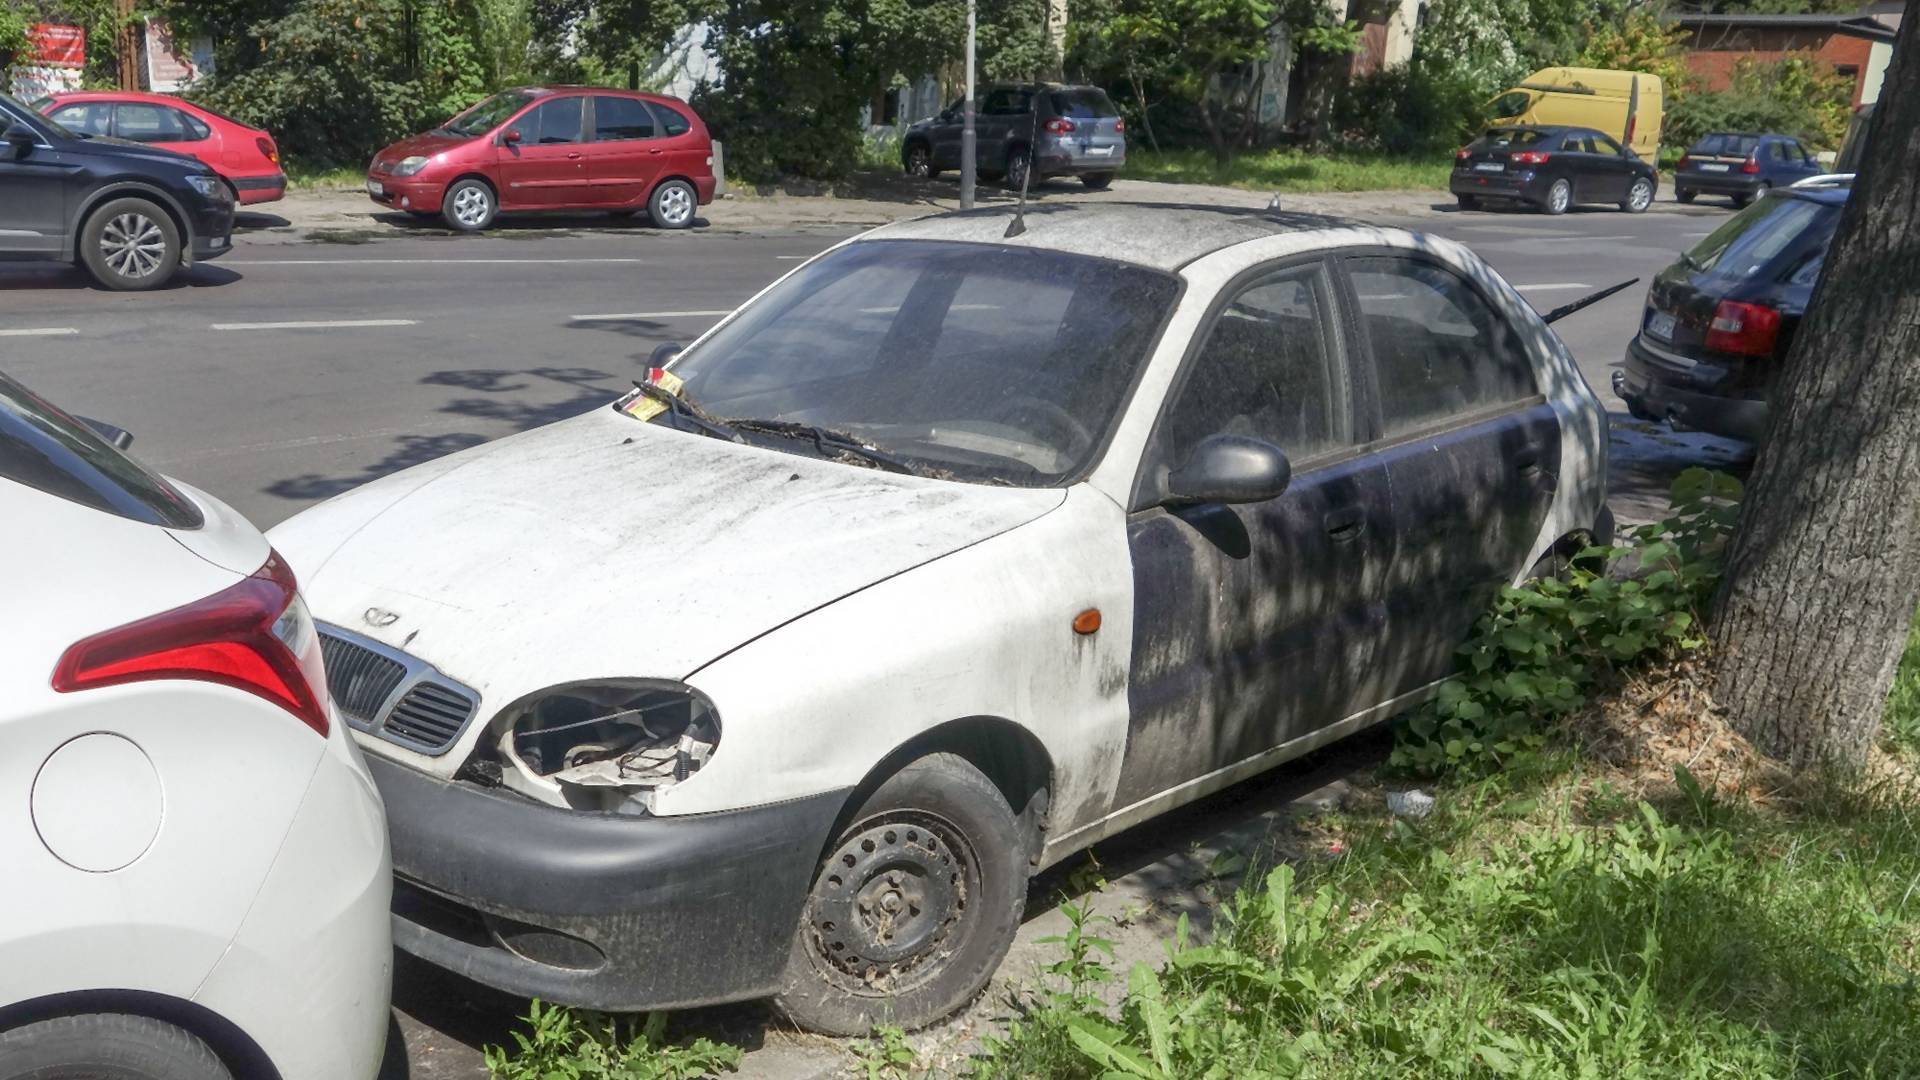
(64, 96)
(1165, 236)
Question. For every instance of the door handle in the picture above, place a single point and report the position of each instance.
(656, 152)
(1346, 523)
(573, 156)
(1527, 464)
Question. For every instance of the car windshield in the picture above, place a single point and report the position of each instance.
(45, 448)
(1087, 104)
(989, 364)
(489, 114)
(1722, 145)
(1512, 103)
(1511, 139)
(1755, 237)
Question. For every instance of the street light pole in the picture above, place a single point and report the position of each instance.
(966, 129)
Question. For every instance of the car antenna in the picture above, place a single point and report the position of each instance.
(1019, 223)
(1565, 310)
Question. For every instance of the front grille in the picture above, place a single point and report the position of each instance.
(393, 695)
(430, 715)
(359, 679)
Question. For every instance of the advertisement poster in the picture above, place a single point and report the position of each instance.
(59, 55)
(171, 62)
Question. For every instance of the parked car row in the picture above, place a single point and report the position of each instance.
(984, 549)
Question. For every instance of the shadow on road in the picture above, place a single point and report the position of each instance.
(18, 276)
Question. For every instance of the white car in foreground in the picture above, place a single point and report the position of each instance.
(197, 879)
(951, 553)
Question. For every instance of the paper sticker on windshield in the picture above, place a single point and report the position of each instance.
(644, 407)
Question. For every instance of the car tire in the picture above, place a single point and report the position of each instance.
(1469, 202)
(1685, 195)
(1559, 197)
(919, 162)
(469, 205)
(1097, 181)
(673, 205)
(129, 245)
(106, 1046)
(937, 842)
(1019, 165)
(1639, 196)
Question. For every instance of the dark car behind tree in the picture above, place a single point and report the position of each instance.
(1718, 323)
(1051, 129)
(1741, 166)
(1552, 168)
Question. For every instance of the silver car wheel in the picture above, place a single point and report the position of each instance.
(133, 245)
(471, 206)
(1559, 197)
(1641, 196)
(676, 205)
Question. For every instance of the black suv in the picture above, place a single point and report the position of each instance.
(131, 214)
(1719, 322)
(1051, 129)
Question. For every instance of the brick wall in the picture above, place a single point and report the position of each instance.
(1712, 51)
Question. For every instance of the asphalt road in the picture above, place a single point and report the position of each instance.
(289, 372)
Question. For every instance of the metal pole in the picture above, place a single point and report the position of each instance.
(966, 131)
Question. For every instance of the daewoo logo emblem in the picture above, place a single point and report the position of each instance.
(377, 616)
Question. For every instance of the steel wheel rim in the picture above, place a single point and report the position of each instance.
(889, 904)
(470, 205)
(1559, 196)
(133, 245)
(1642, 194)
(676, 205)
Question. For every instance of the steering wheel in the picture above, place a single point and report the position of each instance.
(1080, 438)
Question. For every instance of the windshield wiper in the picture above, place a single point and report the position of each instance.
(686, 412)
(828, 442)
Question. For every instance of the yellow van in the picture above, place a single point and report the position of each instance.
(1624, 104)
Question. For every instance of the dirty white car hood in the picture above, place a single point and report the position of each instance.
(603, 546)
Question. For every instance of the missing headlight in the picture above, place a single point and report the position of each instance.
(602, 745)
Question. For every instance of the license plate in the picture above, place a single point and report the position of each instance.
(1099, 151)
(1660, 325)
(1715, 168)
(375, 187)
(1488, 166)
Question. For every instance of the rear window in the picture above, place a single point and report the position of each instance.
(1513, 138)
(1726, 146)
(671, 120)
(44, 448)
(1088, 104)
(1754, 239)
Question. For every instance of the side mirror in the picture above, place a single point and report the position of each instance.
(510, 137)
(119, 437)
(20, 136)
(664, 352)
(1230, 469)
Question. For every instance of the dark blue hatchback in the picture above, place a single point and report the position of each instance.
(1741, 166)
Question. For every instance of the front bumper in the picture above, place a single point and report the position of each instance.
(600, 911)
(1524, 186)
(1659, 386)
(400, 193)
(212, 228)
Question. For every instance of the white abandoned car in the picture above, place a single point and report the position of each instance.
(953, 553)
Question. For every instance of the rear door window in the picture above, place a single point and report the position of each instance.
(1726, 146)
(1604, 145)
(44, 448)
(142, 122)
(1439, 349)
(1751, 240)
(616, 119)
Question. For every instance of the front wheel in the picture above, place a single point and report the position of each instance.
(1685, 195)
(130, 245)
(469, 206)
(1639, 196)
(106, 1046)
(919, 163)
(673, 205)
(1097, 181)
(1559, 197)
(913, 908)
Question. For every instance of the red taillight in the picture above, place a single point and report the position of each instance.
(1743, 329)
(1120, 126)
(1060, 125)
(254, 635)
(1684, 162)
(1751, 168)
(1462, 154)
(1531, 157)
(1633, 124)
(266, 147)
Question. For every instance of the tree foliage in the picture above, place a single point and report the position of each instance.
(1799, 96)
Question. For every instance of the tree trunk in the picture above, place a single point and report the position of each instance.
(1216, 137)
(1140, 95)
(1824, 572)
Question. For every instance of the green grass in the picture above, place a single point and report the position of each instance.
(304, 178)
(1553, 930)
(1903, 704)
(1290, 170)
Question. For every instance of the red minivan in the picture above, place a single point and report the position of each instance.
(245, 156)
(553, 148)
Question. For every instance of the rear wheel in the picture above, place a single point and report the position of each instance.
(129, 245)
(1740, 202)
(1639, 196)
(1097, 181)
(106, 1046)
(469, 205)
(913, 908)
(1685, 194)
(1019, 166)
(1559, 197)
(673, 205)
(1469, 202)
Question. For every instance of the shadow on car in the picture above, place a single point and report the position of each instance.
(16, 276)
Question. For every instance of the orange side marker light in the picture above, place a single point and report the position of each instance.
(1087, 621)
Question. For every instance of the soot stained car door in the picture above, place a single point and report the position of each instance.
(1470, 444)
(1254, 624)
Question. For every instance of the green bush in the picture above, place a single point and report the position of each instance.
(1797, 96)
(1903, 705)
(1409, 110)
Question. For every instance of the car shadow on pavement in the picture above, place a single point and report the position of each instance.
(533, 221)
(16, 276)
(249, 220)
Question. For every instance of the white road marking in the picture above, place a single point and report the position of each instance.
(325, 324)
(793, 258)
(1553, 286)
(621, 316)
(44, 331)
(416, 262)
